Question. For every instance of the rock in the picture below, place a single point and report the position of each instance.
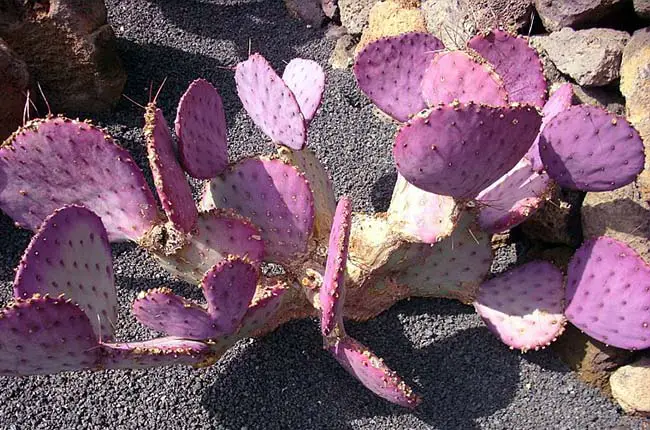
(631, 388)
(551, 73)
(330, 7)
(354, 14)
(635, 86)
(309, 11)
(604, 97)
(621, 214)
(558, 221)
(343, 54)
(642, 8)
(456, 21)
(69, 49)
(14, 83)
(556, 14)
(390, 18)
(559, 256)
(593, 361)
(590, 57)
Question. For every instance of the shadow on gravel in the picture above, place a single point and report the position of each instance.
(382, 191)
(291, 382)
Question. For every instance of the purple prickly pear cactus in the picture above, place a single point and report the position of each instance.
(163, 351)
(70, 256)
(332, 291)
(589, 149)
(516, 62)
(523, 307)
(458, 150)
(270, 103)
(202, 131)
(306, 80)
(276, 197)
(173, 189)
(608, 293)
(456, 75)
(371, 371)
(263, 308)
(228, 288)
(389, 71)
(53, 162)
(513, 198)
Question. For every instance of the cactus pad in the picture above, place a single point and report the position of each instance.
(164, 351)
(419, 216)
(589, 149)
(513, 198)
(270, 103)
(306, 80)
(275, 196)
(389, 71)
(228, 288)
(371, 371)
(457, 76)
(265, 304)
(523, 307)
(53, 162)
(608, 293)
(70, 255)
(173, 189)
(516, 62)
(458, 150)
(560, 100)
(43, 335)
(202, 131)
(332, 292)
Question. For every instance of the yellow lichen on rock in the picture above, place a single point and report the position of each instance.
(391, 18)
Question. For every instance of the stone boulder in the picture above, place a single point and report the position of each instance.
(354, 14)
(642, 8)
(631, 387)
(590, 57)
(556, 14)
(69, 49)
(309, 11)
(14, 83)
(391, 18)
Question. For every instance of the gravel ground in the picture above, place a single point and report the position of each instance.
(285, 380)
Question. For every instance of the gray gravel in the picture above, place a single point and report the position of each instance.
(468, 378)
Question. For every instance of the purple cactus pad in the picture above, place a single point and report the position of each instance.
(608, 293)
(332, 292)
(171, 184)
(53, 162)
(270, 103)
(371, 371)
(523, 307)
(516, 62)
(589, 149)
(202, 131)
(70, 255)
(306, 80)
(275, 196)
(513, 198)
(264, 306)
(389, 71)
(164, 351)
(458, 150)
(457, 76)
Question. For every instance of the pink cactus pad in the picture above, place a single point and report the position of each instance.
(371, 371)
(228, 288)
(523, 307)
(608, 293)
(389, 72)
(587, 148)
(560, 100)
(306, 79)
(53, 162)
(275, 196)
(70, 255)
(164, 351)
(264, 306)
(516, 62)
(458, 150)
(43, 335)
(202, 131)
(270, 103)
(456, 75)
(513, 198)
(173, 189)
(218, 234)
(332, 292)
(419, 216)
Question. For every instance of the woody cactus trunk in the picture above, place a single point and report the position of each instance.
(478, 149)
